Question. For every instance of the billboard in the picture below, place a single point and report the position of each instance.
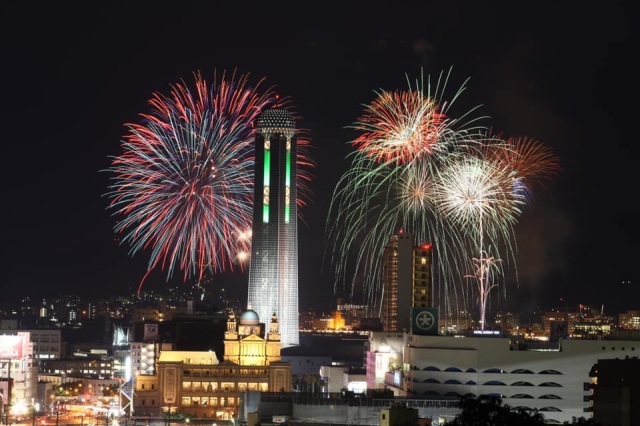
(11, 347)
(150, 332)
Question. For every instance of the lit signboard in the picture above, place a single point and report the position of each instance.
(424, 321)
(11, 347)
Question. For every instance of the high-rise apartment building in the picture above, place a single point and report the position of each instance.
(273, 273)
(406, 280)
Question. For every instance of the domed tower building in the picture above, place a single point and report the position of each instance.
(196, 384)
(245, 342)
(273, 272)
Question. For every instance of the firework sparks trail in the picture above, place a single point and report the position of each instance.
(407, 137)
(533, 163)
(401, 126)
(476, 194)
(183, 185)
(487, 268)
(444, 180)
(485, 193)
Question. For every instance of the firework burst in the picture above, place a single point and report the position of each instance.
(532, 162)
(400, 126)
(406, 137)
(183, 185)
(475, 190)
(476, 195)
(444, 180)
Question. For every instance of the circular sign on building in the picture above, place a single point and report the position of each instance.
(424, 321)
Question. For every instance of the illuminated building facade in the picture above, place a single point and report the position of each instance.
(352, 313)
(273, 273)
(383, 355)
(47, 343)
(629, 320)
(554, 380)
(143, 357)
(18, 374)
(406, 280)
(197, 384)
(244, 344)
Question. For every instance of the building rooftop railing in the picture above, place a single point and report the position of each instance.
(357, 400)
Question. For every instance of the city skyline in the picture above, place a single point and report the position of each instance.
(76, 81)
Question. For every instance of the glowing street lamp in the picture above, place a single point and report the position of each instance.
(36, 408)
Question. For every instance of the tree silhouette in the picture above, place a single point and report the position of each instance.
(489, 411)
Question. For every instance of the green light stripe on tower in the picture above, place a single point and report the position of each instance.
(265, 180)
(287, 182)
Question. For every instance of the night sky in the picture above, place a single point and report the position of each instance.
(562, 74)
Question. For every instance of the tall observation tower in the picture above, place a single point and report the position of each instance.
(273, 273)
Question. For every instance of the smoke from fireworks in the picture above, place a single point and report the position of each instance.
(183, 185)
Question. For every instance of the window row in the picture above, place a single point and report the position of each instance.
(226, 372)
(488, 370)
(205, 401)
(489, 383)
(224, 386)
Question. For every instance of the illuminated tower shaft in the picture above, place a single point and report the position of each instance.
(273, 274)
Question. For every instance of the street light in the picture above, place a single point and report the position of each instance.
(36, 408)
(169, 415)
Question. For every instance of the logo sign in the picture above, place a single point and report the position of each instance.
(150, 332)
(424, 321)
(11, 347)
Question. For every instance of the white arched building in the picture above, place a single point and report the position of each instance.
(555, 381)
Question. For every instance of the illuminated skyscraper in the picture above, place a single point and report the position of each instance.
(273, 273)
(406, 281)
